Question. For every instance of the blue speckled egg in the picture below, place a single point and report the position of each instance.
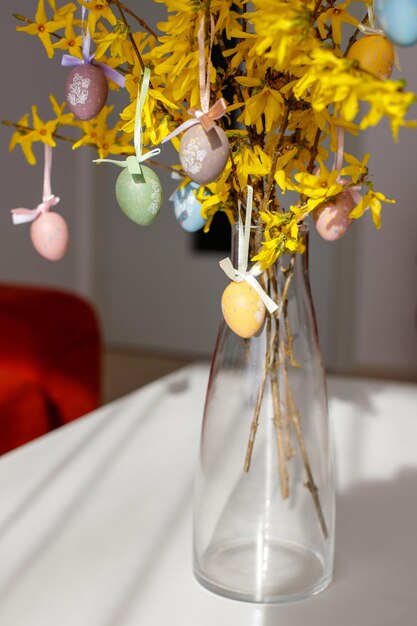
(398, 18)
(187, 208)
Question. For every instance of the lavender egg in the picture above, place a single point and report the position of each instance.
(203, 156)
(332, 219)
(86, 91)
(188, 209)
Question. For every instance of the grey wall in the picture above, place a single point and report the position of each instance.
(153, 292)
(385, 294)
(27, 78)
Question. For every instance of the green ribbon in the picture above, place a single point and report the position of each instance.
(133, 162)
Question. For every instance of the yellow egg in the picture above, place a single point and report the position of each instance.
(375, 54)
(243, 309)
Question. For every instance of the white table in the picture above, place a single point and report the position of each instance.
(95, 519)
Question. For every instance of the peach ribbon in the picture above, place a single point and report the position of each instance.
(354, 191)
(207, 115)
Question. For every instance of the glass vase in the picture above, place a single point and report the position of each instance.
(264, 496)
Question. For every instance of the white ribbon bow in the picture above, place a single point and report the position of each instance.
(241, 273)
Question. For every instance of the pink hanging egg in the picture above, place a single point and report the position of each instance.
(204, 155)
(86, 91)
(49, 234)
(332, 219)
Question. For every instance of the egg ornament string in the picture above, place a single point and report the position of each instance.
(244, 302)
(48, 231)
(138, 188)
(398, 18)
(204, 147)
(86, 87)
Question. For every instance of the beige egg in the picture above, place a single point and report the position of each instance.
(243, 309)
(203, 156)
(49, 234)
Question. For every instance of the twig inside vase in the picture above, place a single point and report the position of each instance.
(278, 418)
(261, 391)
(310, 484)
(255, 420)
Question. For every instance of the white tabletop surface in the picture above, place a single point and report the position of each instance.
(95, 519)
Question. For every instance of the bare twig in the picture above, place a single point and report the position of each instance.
(265, 372)
(278, 419)
(142, 22)
(355, 35)
(28, 129)
(166, 167)
(255, 420)
(129, 34)
(280, 142)
(317, 8)
(310, 484)
(314, 151)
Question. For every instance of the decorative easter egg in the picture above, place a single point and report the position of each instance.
(86, 91)
(332, 219)
(49, 235)
(398, 19)
(139, 195)
(188, 209)
(204, 155)
(243, 309)
(375, 54)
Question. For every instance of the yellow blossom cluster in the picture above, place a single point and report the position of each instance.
(284, 73)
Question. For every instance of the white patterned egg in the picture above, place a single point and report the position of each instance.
(398, 19)
(86, 91)
(187, 208)
(203, 156)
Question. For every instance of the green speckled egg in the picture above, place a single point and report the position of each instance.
(139, 195)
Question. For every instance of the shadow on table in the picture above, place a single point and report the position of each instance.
(376, 562)
(376, 549)
(355, 391)
(178, 385)
(114, 447)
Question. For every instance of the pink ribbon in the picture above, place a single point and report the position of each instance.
(23, 216)
(338, 164)
(206, 115)
(338, 157)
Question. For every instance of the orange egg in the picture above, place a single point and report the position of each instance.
(243, 309)
(375, 54)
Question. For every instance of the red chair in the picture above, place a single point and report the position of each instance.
(50, 362)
